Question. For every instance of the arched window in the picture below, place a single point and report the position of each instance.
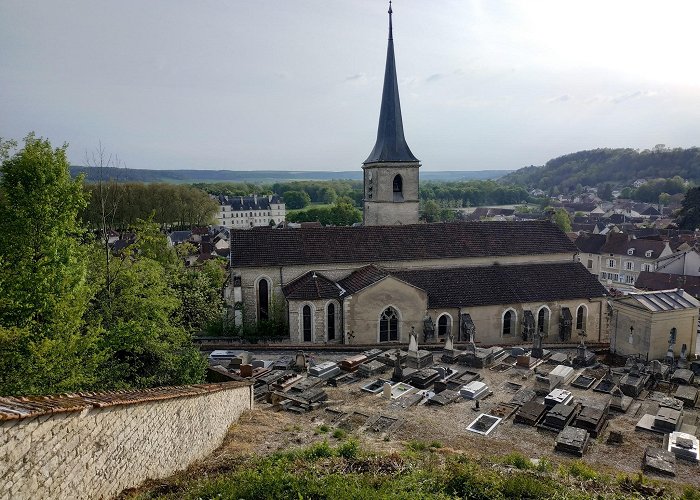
(263, 300)
(398, 188)
(581, 317)
(389, 325)
(543, 321)
(444, 325)
(330, 321)
(306, 322)
(509, 321)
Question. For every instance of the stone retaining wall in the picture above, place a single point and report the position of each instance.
(96, 445)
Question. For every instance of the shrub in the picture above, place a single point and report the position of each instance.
(349, 449)
(581, 470)
(518, 460)
(340, 434)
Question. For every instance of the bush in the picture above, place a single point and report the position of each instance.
(581, 470)
(340, 434)
(518, 460)
(349, 449)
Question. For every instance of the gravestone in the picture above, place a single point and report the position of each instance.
(300, 361)
(684, 446)
(530, 413)
(386, 390)
(573, 440)
(659, 461)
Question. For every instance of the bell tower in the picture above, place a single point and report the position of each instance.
(391, 170)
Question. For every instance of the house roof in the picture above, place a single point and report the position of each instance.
(664, 281)
(311, 286)
(240, 203)
(179, 236)
(326, 245)
(590, 243)
(362, 278)
(619, 243)
(498, 284)
(663, 300)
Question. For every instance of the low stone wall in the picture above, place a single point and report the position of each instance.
(96, 445)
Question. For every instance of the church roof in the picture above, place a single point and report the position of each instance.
(391, 144)
(362, 278)
(499, 284)
(311, 286)
(369, 244)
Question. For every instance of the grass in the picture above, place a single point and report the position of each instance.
(346, 471)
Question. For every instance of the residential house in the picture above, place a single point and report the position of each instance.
(623, 258)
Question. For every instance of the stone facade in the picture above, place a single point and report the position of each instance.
(96, 452)
(383, 206)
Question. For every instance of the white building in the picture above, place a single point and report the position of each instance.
(244, 212)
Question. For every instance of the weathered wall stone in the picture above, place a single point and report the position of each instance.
(98, 452)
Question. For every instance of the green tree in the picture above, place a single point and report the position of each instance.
(689, 214)
(605, 192)
(45, 345)
(296, 199)
(561, 218)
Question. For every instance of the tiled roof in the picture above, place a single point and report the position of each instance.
(590, 243)
(273, 247)
(311, 286)
(498, 284)
(239, 203)
(618, 243)
(663, 281)
(362, 278)
(25, 407)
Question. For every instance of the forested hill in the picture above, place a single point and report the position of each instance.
(621, 167)
(261, 176)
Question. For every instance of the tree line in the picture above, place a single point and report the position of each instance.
(73, 314)
(620, 167)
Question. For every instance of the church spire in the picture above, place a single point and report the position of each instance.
(391, 144)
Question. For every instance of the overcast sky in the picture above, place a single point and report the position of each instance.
(262, 84)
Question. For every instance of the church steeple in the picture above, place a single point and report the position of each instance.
(391, 144)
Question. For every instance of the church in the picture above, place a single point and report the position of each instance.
(500, 282)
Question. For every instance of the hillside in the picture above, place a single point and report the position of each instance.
(621, 167)
(262, 176)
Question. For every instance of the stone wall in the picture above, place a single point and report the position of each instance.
(96, 445)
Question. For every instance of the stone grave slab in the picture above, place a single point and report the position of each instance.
(474, 390)
(542, 385)
(372, 354)
(424, 378)
(271, 377)
(501, 367)
(561, 375)
(558, 417)
(404, 375)
(530, 413)
(684, 446)
(343, 378)
(605, 385)
(419, 359)
(668, 420)
(374, 387)
(324, 370)
(261, 363)
(283, 363)
(683, 376)
(584, 382)
(659, 461)
(632, 385)
(314, 395)
(688, 395)
(306, 384)
(481, 358)
(526, 361)
(389, 357)
(351, 363)
(484, 424)
(646, 423)
(558, 358)
(467, 377)
(592, 419)
(286, 382)
(383, 424)
(523, 396)
(573, 440)
(444, 398)
(511, 387)
(620, 402)
(333, 414)
(503, 410)
(401, 389)
(371, 369)
(406, 401)
(558, 396)
(672, 403)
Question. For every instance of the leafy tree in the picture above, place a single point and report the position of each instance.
(561, 218)
(44, 291)
(343, 213)
(296, 199)
(689, 214)
(664, 199)
(605, 192)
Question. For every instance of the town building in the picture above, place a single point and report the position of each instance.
(648, 323)
(244, 212)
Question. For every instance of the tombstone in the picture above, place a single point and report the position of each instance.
(559, 417)
(572, 440)
(659, 461)
(449, 344)
(474, 390)
(683, 358)
(449, 355)
(246, 370)
(619, 402)
(667, 420)
(413, 343)
(467, 329)
(300, 361)
(537, 351)
(592, 419)
(386, 391)
(371, 368)
(684, 446)
(398, 371)
(441, 372)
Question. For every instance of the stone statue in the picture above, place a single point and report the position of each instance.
(466, 328)
(449, 343)
(413, 343)
(428, 328)
(398, 371)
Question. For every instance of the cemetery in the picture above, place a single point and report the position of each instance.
(627, 413)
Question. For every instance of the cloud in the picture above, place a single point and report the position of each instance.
(434, 77)
(561, 98)
(356, 77)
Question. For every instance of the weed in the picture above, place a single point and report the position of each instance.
(349, 449)
(340, 434)
(581, 470)
(518, 460)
